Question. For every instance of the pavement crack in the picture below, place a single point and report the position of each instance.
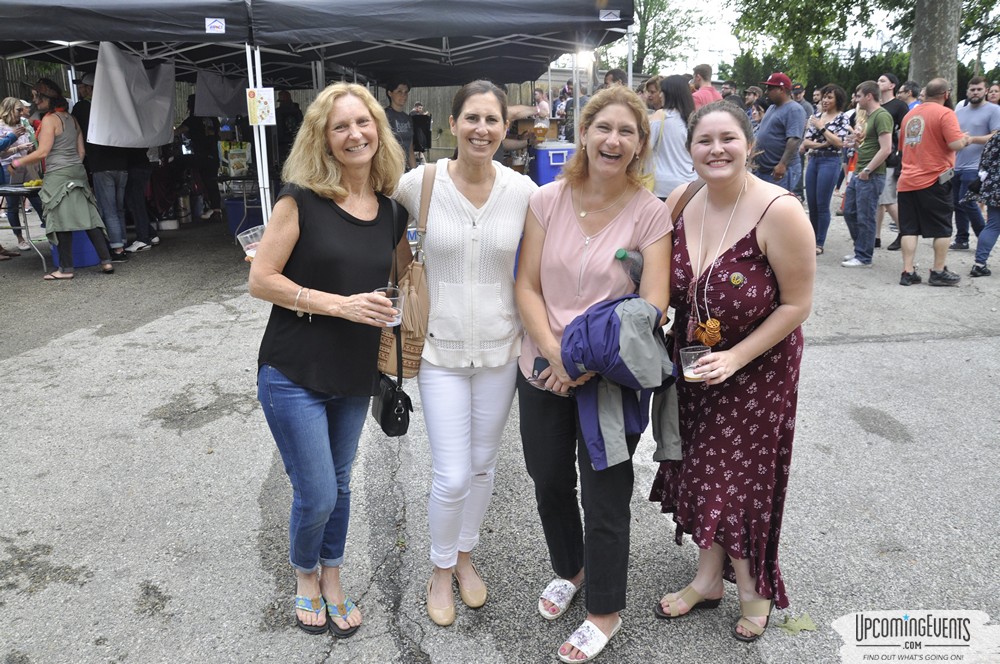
(388, 534)
(912, 337)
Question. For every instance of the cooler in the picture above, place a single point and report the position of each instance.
(549, 159)
(234, 214)
(84, 254)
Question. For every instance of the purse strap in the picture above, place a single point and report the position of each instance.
(692, 189)
(395, 330)
(426, 191)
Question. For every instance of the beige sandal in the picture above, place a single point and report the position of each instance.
(689, 596)
(755, 608)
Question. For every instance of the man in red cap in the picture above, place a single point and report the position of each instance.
(779, 135)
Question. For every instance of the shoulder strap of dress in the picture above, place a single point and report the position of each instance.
(788, 193)
(692, 189)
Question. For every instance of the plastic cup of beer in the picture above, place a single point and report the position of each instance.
(396, 297)
(690, 357)
(249, 239)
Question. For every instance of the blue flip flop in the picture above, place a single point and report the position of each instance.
(341, 611)
(303, 603)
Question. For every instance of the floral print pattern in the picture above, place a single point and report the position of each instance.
(737, 436)
(840, 126)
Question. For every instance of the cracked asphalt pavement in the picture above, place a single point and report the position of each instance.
(143, 506)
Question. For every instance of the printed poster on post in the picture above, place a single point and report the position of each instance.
(260, 106)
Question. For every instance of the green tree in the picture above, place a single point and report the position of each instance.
(979, 29)
(800, 27)
(662, 33)
(826, 67)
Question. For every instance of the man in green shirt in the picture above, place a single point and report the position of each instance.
(874, 140)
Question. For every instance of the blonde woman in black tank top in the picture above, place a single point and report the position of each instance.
(319, 262)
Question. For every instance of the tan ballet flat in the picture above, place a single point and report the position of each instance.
(473, 599)
(442, 616)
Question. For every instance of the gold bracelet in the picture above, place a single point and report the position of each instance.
(295, 307)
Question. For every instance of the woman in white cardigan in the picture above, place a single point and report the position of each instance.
(474, 225)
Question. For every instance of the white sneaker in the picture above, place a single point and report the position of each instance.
(155, 241)
(23, 245)
(137, 246)
(854, 262)
(207, 214)
(847, 257)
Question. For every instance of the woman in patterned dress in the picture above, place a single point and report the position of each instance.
(754, 275)
(824, 142)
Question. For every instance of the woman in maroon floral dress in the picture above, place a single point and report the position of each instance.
(752, 247)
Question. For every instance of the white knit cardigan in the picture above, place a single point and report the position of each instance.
(470, 257)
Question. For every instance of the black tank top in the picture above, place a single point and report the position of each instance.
(341, 254)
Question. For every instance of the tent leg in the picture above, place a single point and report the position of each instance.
(255, 76)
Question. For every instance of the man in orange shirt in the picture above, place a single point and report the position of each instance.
(929, 136)
(704, 93)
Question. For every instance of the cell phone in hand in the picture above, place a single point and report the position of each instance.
(541, 364)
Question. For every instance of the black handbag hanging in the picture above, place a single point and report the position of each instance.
(391, 406)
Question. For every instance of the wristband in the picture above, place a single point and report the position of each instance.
(13, 162)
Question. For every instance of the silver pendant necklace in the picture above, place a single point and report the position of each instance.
(583, 213)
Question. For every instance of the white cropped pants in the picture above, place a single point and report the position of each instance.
(465, 411)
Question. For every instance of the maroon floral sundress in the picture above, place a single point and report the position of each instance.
(737, 436)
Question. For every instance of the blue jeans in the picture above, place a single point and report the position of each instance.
(109, 190)
(792, 175)
(988, 236)
(317, 435)
(821, 178)
(968, 212)
(860, 204)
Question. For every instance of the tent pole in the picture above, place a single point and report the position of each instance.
(552, 97)
(576, 97)
(629, 34)
(72, 88)
(264, 170)
(260, 148)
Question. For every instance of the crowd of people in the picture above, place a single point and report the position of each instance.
(96, 188)
(517, 275)
(703, 190)
(905, 150)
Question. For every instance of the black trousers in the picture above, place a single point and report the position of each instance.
(550, 436)
(96, 237)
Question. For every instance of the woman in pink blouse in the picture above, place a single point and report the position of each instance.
(574, 227)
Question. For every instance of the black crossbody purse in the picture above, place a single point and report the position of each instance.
(391, 406)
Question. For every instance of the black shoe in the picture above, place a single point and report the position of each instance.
(980, 271)
(119, 256)
(959, 246)
(895, 246)
(878, 243)
(909, 278)
(944, 278)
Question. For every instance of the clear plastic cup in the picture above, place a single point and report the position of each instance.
(690, 357)
(396, 297)
(249, 239)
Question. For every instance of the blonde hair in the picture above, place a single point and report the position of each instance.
(7, 113)
(310, 164)
(577, 169)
